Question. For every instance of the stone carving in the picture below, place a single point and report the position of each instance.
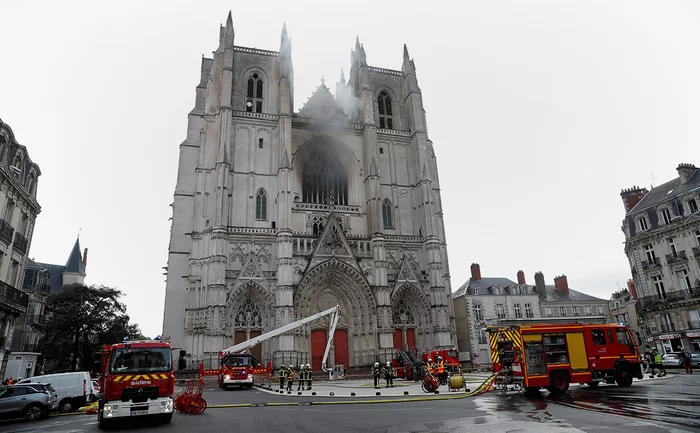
(366, 267)
(402, 314)
(326, 301)
(299, 265)
(248, 315)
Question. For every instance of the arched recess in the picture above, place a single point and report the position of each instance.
(336, 153)
(249, 308)
(243, 89)
(331, 283)
(411, 317)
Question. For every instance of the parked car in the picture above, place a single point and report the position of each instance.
(96, 388)
(74, 390)
(673, 359)
(695, 360)
(31, 400)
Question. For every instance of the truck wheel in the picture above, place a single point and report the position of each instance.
(66, 405)
(623, 378)
(559, 382)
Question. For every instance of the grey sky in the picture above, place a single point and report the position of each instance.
(540, 112)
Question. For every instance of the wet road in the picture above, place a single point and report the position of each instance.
(667, 405)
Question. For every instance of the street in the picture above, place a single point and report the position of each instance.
(670, 404)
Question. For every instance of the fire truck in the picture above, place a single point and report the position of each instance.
(238, 366)
(449, 356)
(136, 379)
(554, 356)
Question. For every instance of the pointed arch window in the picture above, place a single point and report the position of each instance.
(261, 205)
(402, 314)
(385, 114)
(387, 216)
(248, 316)
(254, 94)
(324, 179)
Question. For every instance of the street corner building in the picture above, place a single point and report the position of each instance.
(662, 233)
(279, 214)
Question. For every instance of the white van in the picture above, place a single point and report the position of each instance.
(74, 390)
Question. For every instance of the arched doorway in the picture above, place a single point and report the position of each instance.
(410, 316)
(404, 327)
(249, 315)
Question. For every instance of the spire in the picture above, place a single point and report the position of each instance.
(75, 260)
(284, 31)
(357, 43)
(405, 52)
(408, 67)
(285, 42)
(342, 77)
(229, 23)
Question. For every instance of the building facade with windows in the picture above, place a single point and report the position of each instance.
(662, 244)
(18, 184)
(279, 214)
(622, 307)
(482, 302)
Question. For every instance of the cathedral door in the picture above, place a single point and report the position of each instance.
(239, 337)
(318, 346)
(340, 344)
(411, 338)
(398, 339)
(257, 350)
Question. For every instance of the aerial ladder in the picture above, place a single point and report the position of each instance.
(248, 344)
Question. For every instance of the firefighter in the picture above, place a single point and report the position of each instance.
(389, 374)
(309, 377)
(441, 373)
(282, 375)
(431, 366)
(302, 377)
(290, 378)
(376, 372)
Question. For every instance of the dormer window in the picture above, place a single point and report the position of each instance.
(385, 113)
(692, 206)
(666, 216)
(254, 94)
(643, 226)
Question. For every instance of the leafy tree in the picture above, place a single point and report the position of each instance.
(83, 318)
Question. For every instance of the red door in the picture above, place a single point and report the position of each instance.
(340, 343)
(318, 346)
(411, 337)
(256, 351)
(238, 337)
(398, 339)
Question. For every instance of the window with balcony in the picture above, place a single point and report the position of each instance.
(683, 279)
(562, 311)
(694, 319)
(9, 210)
(601, 310)
(643, 226)
(588, 310)
(574, 310)
(650, 254)
(548, 311)
(672, 247)
(478, 312)
(659, 286)
(516, 310)
(482, 337)
(528, 311)
(12, 274)
(500, 311)
(666, 323)
(692, 206)
(697, 237)
(666, 215)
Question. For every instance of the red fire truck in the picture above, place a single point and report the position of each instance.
(136, 379)
(554, 356)
(449, 356)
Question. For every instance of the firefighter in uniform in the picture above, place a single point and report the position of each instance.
(282, 375)
(431, 366)
(302, 377)
(389, 373)
(376, 372)
(441, 373)
(290, 378)
(309, 377)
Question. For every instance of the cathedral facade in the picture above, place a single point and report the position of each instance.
(279, 214)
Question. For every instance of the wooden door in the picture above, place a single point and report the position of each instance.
(398, 339)
(340, 343)
(411, 338)
(318, 346)
(256, 351)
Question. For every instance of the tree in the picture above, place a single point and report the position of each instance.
(81, 320)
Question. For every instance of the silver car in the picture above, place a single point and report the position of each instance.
(33, 401)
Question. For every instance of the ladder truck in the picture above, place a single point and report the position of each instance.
(238, 366)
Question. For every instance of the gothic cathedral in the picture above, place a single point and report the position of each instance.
(281, 214)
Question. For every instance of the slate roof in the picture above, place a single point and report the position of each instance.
(483, 285)
(74, 264)
(555, 295)
(670, 189)
(75, 260)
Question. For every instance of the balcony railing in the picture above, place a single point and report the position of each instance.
(649, 302)
(36, 319)
(694, 324)
(651, 264)
(14, 300)
(679, 256)
(6, 232)
(668, 327)
(21, 243)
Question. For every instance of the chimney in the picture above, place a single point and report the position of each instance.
(476, 271)
(85, 257)
(632, 196)
(521, 277)
(632, 289)
(562, 284)
(540, 287)
(685, 172)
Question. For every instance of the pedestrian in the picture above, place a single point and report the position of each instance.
(282, 374)
(302, 377)
(687, 357)
(376, 372)
(309, 377)
(659, 363)
(389, 373)
(290, 378)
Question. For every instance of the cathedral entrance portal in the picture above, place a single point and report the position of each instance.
(340, 352)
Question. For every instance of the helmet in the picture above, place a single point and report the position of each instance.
(439, 357)
(301, 366)
(388, 364)
(308, 365)
(430, 359)
(282, 366)
(376, 364)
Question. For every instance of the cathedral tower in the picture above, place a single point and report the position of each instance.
(281, 214)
